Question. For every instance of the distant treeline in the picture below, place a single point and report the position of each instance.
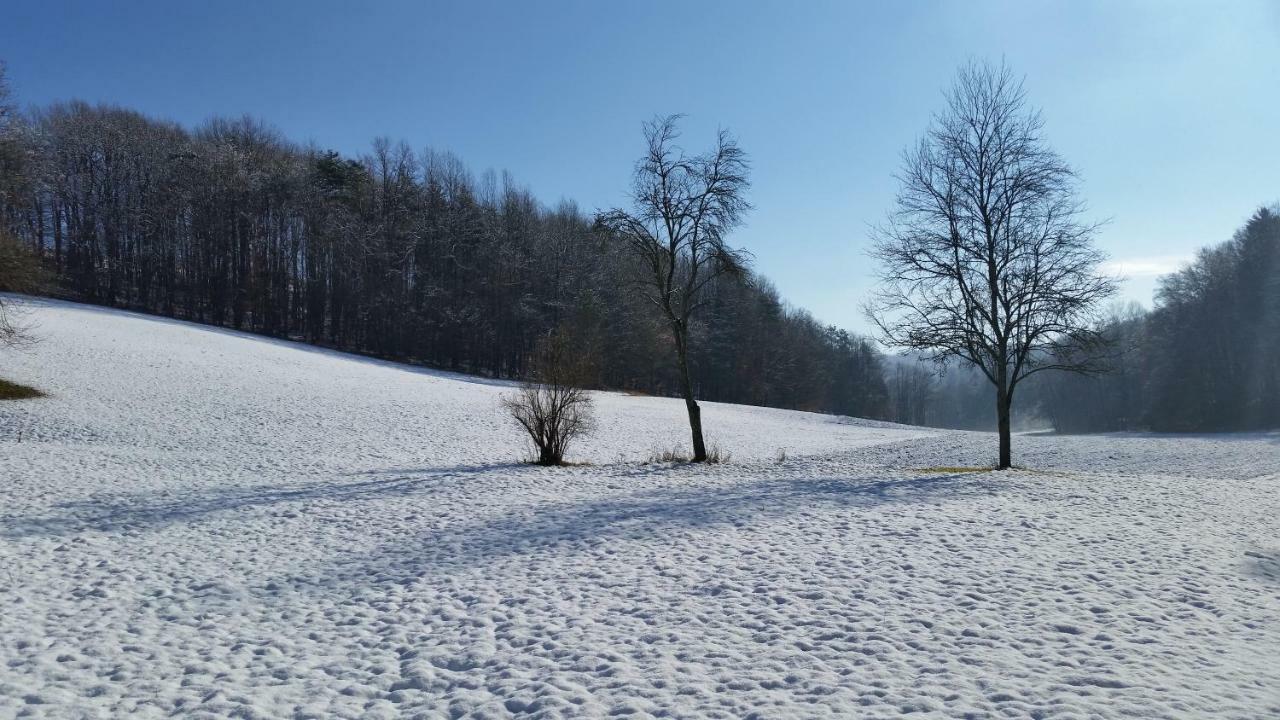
(1207, 358)
(406, 255)
(399, 254)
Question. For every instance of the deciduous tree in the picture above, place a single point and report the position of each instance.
(986, 258)
(684, 206)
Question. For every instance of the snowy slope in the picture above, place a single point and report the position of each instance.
(208, 524)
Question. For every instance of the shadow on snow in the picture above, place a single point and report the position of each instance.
(1263, 565)
(541, 527)
(566, 530)
(134, 512)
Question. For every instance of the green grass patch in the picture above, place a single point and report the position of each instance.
(14, 391)
(956, 469)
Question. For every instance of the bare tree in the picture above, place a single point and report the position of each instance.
(553, 407)
(19, 269)
(684, 206)
(985, 258)
(12, 170)
(8, 114)
(20, 272)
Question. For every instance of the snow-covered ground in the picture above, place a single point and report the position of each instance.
(201, 523)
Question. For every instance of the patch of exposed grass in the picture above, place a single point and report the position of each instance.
(715, 456)
(673, 455)
(955, 469)
(14, 391)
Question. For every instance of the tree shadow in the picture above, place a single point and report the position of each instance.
(548, 526)
(1264, 565)
(552, 530)
(131, 512)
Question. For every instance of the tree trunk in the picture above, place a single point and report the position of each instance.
(695, 426)
(1003, 401)
(57, 238)
(686, 389)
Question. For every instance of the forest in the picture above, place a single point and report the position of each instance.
(408, 255)
(397, 254)
(1206, 358)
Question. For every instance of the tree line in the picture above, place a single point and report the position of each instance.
(397, 254)
(986, 265)
(1205, 358)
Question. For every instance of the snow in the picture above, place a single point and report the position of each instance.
(203, 523)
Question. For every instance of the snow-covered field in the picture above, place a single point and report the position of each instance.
(200, 523)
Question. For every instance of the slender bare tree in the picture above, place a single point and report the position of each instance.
(684, 206)
(985, 257)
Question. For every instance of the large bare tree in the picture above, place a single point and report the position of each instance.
(986, 258)
(683, 207)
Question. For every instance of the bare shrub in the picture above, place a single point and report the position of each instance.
(552, 406)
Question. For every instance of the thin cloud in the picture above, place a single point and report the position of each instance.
(1146, 266)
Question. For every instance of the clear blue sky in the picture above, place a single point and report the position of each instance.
(1170, 110)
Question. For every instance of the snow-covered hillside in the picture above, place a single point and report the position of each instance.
(206, 524)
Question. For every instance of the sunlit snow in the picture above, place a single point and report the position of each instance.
(203, 523)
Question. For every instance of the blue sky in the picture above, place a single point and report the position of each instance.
(1170, 110)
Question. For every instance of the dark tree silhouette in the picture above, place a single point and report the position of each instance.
(402, 255)
(19, 269)
(1214, 336)
(985, 258)
(684, 206)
